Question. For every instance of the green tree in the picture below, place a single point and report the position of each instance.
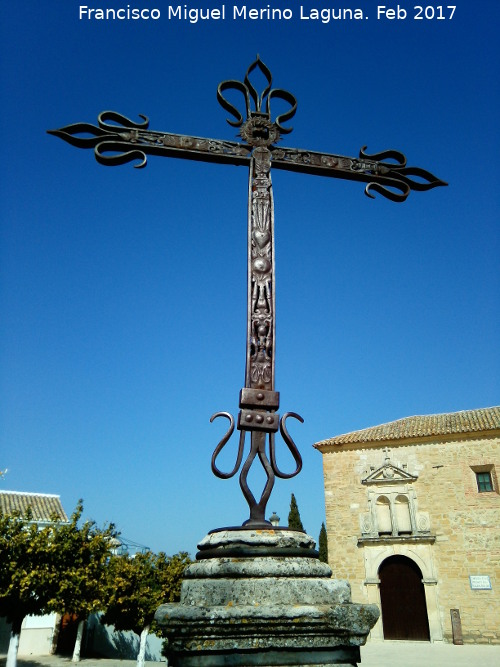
(81, 554)
(26, 576)
(323, 544)
(138, 586)
(294, 522)
(60, 567)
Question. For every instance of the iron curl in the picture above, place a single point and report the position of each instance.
(291, 446)
(222, 444)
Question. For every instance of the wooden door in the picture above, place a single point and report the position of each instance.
(402, 597)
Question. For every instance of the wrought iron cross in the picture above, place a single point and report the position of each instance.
(117, 140)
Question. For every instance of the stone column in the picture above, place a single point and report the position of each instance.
(373, 595)
(435, 629)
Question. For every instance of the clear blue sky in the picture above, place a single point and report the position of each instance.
(123, 290)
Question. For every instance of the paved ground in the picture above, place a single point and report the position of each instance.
(380, 654)
(423, 654)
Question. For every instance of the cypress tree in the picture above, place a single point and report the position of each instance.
(294, 522)
(323, 544)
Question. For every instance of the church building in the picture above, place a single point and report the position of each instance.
(413, 521)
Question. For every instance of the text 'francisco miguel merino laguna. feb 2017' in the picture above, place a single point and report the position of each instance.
(190, 14)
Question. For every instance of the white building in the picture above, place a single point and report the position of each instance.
(38, 633)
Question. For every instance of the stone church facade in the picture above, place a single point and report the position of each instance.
(413, 521)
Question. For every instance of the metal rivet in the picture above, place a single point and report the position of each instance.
(260, 396)
(248, 418)
(259, 419)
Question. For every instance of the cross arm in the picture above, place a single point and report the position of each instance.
(390, 179)
(118, 140)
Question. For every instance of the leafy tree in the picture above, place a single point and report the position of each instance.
(60, 568)
(323, 544)
(138, 586)
(81, 555)
(294, 522)
(26, 576)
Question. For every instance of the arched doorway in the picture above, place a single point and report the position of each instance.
(402, 597)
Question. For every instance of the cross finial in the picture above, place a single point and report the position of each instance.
(257, 128)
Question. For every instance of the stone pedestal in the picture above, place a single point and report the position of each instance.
(262, 597)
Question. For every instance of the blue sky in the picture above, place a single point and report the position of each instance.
(123, 290)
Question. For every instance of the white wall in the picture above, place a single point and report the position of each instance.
(37, 633)
(104, 640)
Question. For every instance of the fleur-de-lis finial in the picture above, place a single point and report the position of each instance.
(257, 128)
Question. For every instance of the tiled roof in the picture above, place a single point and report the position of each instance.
(467, 421)
(43, 506)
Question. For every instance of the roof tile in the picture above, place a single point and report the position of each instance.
(421, 426)
(43, 506)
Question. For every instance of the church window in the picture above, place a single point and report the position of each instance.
(484, 481)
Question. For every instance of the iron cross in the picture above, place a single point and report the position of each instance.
(117, 140)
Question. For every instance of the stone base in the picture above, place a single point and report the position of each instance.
(268, 608)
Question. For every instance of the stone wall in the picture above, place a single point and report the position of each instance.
(464, 522)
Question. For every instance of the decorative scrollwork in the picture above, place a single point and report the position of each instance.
(390, 179)
(291, 446)
(222, 444)
(260, 356)
(257, 450)
(102, 132)
(395, 175)
(257, 129)
(118, 119)
(117, 140)
(384, 155)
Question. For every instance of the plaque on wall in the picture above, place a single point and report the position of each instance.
(480, 582)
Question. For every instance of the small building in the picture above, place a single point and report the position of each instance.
(38, 633)
(413, 521)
